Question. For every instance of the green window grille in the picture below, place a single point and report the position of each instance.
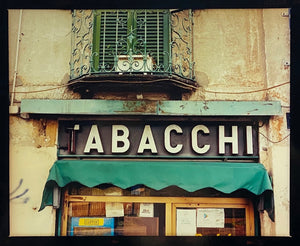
(112, 42)
(130, 40)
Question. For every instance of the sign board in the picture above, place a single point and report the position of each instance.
(166, 139)
(80, 226)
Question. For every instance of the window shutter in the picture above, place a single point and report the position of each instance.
(109, 38)
(113, 39)
(116, 32)
(150, 29)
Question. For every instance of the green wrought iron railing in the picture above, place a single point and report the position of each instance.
(132, 41)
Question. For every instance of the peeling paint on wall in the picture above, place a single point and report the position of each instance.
(44, 132)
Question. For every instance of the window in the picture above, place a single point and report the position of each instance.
(128, 50)
(131, 40)
(214, 219)
(140, 211)
(116, 219)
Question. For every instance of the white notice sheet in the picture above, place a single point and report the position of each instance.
(186, 222)
(210, 217)
(146, 210)
(114, 209)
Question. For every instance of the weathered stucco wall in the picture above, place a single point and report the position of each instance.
(32, 153)
(234, 51)
(44, 53)
(43, 63)
(229, 52)
(277, 52)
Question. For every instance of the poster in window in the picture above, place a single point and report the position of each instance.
(186, 222)
(114, 209)
(210, 217)
(146, 210)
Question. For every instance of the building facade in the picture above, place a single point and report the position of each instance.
(149, 122)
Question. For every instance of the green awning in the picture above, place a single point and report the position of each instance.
(225, 177)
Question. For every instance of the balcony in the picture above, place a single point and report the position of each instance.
(132, 50)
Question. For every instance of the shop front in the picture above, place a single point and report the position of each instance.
(158, 176)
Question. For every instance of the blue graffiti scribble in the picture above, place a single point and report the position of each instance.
(26, 199)
(20, 183)
(18, 196)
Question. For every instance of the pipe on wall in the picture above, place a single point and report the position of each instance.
(16, 59)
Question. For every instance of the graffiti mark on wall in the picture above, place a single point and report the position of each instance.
(19, 193)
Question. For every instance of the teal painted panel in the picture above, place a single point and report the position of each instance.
(220, 108)
(176, 108)
(88, 106)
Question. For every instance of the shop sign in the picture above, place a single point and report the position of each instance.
(195, 139)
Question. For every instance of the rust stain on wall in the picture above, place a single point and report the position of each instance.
(277, 126)
(142, 107)
(44, 132)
